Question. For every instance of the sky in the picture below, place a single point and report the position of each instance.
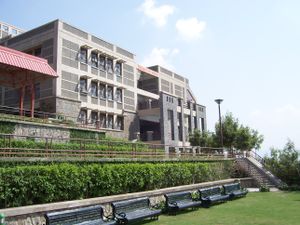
(246, 52)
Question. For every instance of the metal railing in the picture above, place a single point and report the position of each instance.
(16, 146)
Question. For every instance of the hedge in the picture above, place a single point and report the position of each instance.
(74, 145)
(26, 185)
(7, 127)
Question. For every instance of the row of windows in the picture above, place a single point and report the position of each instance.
(7, 30)
(103, 91)
(101, 62)
(101, 120)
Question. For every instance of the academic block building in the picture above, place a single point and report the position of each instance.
(101, 86)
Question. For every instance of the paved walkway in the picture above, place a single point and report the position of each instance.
(257, 189)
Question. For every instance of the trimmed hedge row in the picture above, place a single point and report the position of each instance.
(87, 145)
(26, 185)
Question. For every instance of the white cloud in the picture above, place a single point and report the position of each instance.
(159, 14)
(160, 56)
(190, 29)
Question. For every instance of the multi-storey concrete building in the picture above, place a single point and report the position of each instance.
(102, 86)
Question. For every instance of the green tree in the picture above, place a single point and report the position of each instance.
(247, 138)
(230, 127)
(203, 139)
(236, 135)
(285, 164)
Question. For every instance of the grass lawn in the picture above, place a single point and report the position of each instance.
(257, 208)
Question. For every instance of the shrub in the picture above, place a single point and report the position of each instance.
(264, 188)
(26, 185)
(7, 127)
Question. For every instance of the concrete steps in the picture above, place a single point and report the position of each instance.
(257, 171)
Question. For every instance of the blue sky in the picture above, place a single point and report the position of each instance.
(246, 52)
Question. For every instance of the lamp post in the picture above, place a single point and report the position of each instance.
(219, 101)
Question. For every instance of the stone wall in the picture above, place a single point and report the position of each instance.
(67, 107)
(39, 130)
(22, 129)
(131, 127)
(34, 215)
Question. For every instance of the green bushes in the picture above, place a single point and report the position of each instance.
(7, 127)
(102, 145)
(25, 185)
(86, 134)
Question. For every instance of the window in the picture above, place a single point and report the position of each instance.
(102, 62)
(14, 32)
(94, 89)
(94, 58)
(110, 121)
(83, 116)
(189, 105)
(194, 107)
(171, 120)
(119, 95)
(179, 102)
(109, 65)
(37, 52)
(195, 123)
(37, 90)
(202, 124)
(83, 55)
(102, 120)
(5, 28)
(83, 85)
(110, 95)
(102, 91)
(119, 123)
(118, 69)
(180, 135)
(94, 117)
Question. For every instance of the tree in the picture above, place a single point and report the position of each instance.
(247, 139)
(230, 128)
(203, 139)
(237, 136)
(285, 163)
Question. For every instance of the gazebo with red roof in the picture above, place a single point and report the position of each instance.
(18, 70)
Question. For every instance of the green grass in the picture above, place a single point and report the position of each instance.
(257, 208)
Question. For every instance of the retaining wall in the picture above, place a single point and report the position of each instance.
(34, 215)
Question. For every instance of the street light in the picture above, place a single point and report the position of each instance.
(219, 101)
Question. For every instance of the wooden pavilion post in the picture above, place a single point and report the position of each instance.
(22, 91)
(32, 100)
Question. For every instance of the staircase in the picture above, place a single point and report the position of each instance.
(253, 166)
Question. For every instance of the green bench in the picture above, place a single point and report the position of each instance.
(92, 215)
(211, 195)
(133, 210)
(234, 190)
(180, 200)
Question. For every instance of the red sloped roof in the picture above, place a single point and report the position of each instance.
(22, 60)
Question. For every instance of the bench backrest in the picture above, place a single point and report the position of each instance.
(69, 217)
(228, 188)
(205, 192)
(130, 205)
(178, 196)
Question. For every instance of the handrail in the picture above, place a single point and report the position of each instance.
(256, 156)
(11, 146)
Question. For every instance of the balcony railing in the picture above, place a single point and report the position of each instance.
(148, 104)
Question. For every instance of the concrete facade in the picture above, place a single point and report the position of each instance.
(102, 86)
